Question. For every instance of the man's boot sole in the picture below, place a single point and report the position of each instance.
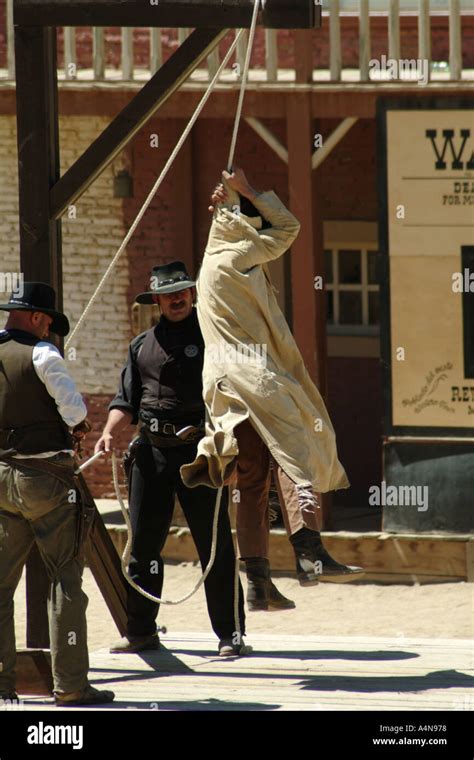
(346, 578)
(268, 607)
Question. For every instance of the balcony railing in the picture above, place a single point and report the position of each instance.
(85, 54)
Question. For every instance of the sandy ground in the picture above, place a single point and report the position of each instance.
(444, 610)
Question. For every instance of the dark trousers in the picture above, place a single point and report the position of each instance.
(154, 481)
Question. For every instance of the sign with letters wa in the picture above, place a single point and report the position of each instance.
(430, 236)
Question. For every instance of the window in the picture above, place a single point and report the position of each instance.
(351, 280)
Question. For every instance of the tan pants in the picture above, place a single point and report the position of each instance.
(252, 480)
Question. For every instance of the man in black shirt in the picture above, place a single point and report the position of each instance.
(161, 390)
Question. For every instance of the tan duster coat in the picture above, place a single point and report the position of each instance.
(238, 311)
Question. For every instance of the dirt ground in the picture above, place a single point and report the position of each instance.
(443, 610)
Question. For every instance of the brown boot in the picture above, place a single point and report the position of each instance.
(262, 594)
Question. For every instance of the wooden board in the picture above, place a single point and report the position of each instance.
(277, 14)
(284, 672)
(33, 672)
(386, 558)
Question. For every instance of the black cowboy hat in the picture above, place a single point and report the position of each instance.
(38, 296)
(167, 278)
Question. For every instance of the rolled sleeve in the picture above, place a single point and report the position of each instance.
(52, 371)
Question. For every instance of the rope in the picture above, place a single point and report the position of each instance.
(125, 559)
(244, 84)
(128, 548)
(155, 187)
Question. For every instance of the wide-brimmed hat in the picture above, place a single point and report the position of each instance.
(38, 296)
(167, 278)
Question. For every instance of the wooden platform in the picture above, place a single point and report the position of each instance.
(386, 557)
(289, 673)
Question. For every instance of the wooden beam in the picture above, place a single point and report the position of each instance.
(38, 154)
(307, 253)
(277, 14)
(104, 562)
(268, 137)
(303, 57)
(330, 142)
(131, 119)
(300, 142)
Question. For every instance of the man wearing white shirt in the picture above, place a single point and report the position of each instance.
(39, 405)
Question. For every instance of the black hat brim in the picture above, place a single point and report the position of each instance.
(147, 298)
(59, 325)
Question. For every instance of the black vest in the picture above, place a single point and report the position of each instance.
(29, 419)
(170, 363)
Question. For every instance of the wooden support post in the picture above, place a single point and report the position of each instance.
(38, 154)
(300, 143)
(307, 254)
(40, 239)
(303, 56)
(105, 566)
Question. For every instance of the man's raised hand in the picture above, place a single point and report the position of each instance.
(238, 181)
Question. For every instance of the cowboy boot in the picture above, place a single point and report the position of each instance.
(262, 594)
(314, 563)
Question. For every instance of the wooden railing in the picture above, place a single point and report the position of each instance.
(269, 69)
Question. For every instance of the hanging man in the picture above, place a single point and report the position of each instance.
(39, 404)
(260, 400)
(161, 389)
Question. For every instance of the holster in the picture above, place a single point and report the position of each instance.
(129, 457)
(85, 504)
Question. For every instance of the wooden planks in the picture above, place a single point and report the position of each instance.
(288, 672)
(386, 558)
(33, 672)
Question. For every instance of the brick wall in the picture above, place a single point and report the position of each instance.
(89, 242)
